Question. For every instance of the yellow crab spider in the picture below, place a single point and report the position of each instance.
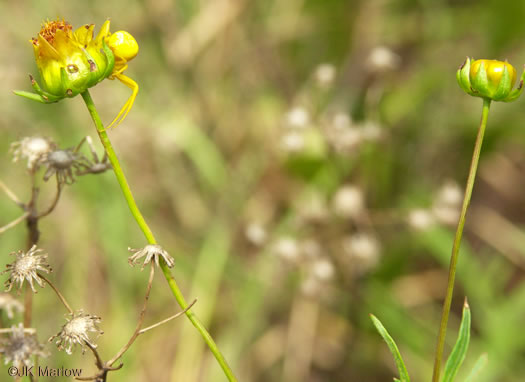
(125, 48)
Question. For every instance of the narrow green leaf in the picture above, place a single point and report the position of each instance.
(457, 356)
(478, 366)
(403, 374)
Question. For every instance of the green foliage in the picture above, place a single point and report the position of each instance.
(403, 374)
(459, 352)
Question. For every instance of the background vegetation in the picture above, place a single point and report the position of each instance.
(301, 177)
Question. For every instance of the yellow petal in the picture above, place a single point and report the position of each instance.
(46, 50)
(62, 42)
(104, 32)
(84, 34)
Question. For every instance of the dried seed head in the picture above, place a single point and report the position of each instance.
(322, 269)
(348, 201)
(420, 219)
(34, 149)
(364, 250)
(256, 233)
(26, 267)
(62, 163)
(325, 74)
(292, 142)
(151, 252)
(298, 117)
(20, 347)
(382, 59)
(9, 304)
(287, 248)
(76, 332)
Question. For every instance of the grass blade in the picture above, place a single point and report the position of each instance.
(457, 356)
(403, 374)
(478, 366)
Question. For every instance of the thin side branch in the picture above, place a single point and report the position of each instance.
(11, 194)
(55, 201)
(141, 319)
(167, 319)
(14, 222)
(9, 330)
(60, 296)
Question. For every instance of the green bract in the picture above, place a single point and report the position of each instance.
(490, 79)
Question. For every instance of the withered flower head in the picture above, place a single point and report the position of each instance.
(20, 347)
(150, 252)
(76, 332)
(10, 304)
(26, 267)
(33, 149)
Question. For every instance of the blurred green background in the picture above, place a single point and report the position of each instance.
(304, 162)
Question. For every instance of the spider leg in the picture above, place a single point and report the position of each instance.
(80, 145)
(116, 73)
(92, 149)
(129, 103)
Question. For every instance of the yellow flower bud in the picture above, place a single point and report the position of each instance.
(490, 79)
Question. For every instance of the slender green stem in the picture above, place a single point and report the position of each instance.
(150, 238)
(457, 240)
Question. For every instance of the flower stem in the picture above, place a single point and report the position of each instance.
(457, 240)
(150, 238)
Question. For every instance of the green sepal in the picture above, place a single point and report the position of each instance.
(513, 96)
(480, 83)
(110, 59)
(463, 77)
(403, 374)
(47, 97)
(459, 351)
(504, 86)
(29, 95)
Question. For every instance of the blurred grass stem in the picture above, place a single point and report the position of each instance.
(457, 240)
(149, 236)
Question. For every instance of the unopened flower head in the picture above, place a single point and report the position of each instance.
(33, 149)
(62, 163)
(26, 267)
(20, 347)
(76, 332)
(489, 79)
(70, 62)
(9, 304)
(151, 252)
